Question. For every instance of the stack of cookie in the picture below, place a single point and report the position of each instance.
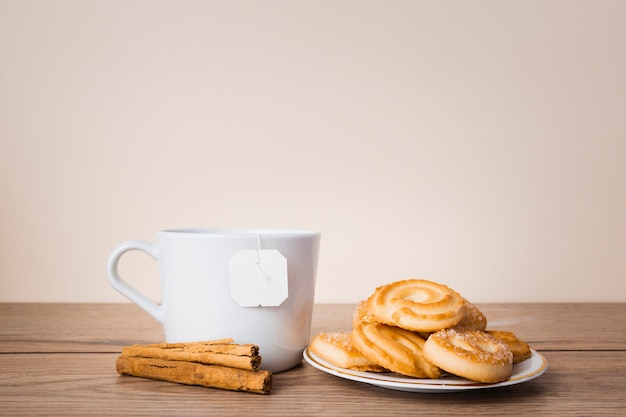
(422, 329)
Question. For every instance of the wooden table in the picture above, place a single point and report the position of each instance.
(59, 359)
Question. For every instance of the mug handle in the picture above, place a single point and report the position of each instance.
(122, 286)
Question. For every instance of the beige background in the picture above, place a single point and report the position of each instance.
(477, 143)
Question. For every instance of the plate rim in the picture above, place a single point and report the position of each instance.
(401, 383)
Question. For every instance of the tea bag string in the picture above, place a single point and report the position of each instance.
(258, 258)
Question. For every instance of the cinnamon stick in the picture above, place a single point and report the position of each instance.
(191, 373)
(210, 353)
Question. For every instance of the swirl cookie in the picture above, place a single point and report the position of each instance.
(336, 348)
(519, 348)
(361, 314)
(471, 354)
(474, 318)
(393, 348)
(416, 304)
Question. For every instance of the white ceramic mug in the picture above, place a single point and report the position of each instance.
(253, 285)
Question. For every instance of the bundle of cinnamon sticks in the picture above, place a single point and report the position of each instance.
(217, 364)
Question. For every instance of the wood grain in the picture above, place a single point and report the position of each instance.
(52, 327)
(587, 383)
(59, 359)
(107, 327)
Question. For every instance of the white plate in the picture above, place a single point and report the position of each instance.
(524, 371)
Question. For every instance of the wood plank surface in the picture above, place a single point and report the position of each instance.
(108, 327)
(583, 384)
(59, 359)
(55, 327)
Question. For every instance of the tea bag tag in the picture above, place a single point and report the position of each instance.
(258, 278)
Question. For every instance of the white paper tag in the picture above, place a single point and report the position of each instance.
(258, 278)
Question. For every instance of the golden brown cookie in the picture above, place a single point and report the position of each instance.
(416, 304)
(336, 348)
(471, 354)
(396, 349)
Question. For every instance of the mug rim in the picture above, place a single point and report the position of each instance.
(239, 232)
